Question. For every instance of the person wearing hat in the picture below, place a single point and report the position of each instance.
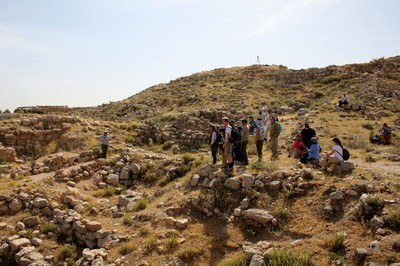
(385, 134)
(306, 134)
(105, 140)
(297, 149)
(335, 156)
(313, 151)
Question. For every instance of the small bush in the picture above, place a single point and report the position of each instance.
(368, 126)
(189, 254)
(187, 158)
(66, 253)
(376, 204)
(393, 220)
(171, 243)
(150, 176)
(237, 259)
(287, 258)
(127, 249)
(265, 166)
(336, 243)
(283, 215)
(139, 205)
(48, 227)
(105, 192)
(289, 193)
(369, 158)
(307, 175)
(391, 259)
(221, 199)
(28, 233)
(167, 145)
(150, 244)
(130, 139)
(127, 220)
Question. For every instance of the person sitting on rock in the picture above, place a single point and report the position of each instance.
(306, 134)
(385, 134)
(335, 156)
(252, 125)
(344, 100)
(297, 149)
(313, 152)
(105, 139)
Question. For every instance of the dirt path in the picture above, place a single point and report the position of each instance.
(382, 167)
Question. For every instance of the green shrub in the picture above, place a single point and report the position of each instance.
(167, 145)
(105, 192)
(336, 243)
(48, 227)
(237, 259)
(189, 254)
(127, 249)
(171, 243)
(376, 204)
(28, 233)
(139, 205)
(66, 253)
(221, 198)
(393, 220)
(282, 215)
(150, 244)
(287, 258)
(127, 220)
(269, 166)
(391, 259)
(130, 139)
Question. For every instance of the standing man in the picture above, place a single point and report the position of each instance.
(253, 125)
(244, 140)
(105, 139)
(227, 159)
(267, 123)
(259, 139)
(273, 134)
(263, 111)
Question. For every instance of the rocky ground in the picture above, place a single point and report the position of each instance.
(157, 200)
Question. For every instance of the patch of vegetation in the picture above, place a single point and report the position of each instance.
(375, 203)
(283, 215)
(171, 243)
(167, 145)
(139, 205)
(221, 198)
(66, 253)
(28, 233)
(48, 227)
(9, 259)
(369, 158)
(307, 175)
(289, 193)
(391, 259)
(265, 166)
(187, 158)
(130, 139)
(126, 249)
(237, 259)
(393, 220)
(368, 126)
(330, 79)
(287, 258)
(105, 192)
(189, 254)
(150, 244)
(336, 243)
(127, 220)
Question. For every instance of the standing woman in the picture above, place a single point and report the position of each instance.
(214, 143)
(335, 156)
(259, 139)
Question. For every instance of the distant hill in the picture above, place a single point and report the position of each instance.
(241, 90)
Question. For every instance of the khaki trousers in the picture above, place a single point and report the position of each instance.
(274, 147)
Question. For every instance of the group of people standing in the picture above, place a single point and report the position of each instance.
(231, 139)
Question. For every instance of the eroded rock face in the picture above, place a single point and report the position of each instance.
(258, 215)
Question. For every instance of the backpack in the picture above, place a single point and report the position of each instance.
(346, 154)
(280, 128)
(234, 136)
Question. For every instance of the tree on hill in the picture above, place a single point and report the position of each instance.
(7, 111)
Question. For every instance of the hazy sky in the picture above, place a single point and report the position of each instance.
(89, 52)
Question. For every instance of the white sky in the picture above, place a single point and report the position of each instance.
(89, 52)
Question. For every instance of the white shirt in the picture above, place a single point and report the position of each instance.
(213, 137)
(339, 152)
(264, 110)
(228, 130)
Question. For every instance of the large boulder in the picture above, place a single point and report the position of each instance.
(15, 205)
(258, 215)
(247, 180)
(113, 179)
(233, 183)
